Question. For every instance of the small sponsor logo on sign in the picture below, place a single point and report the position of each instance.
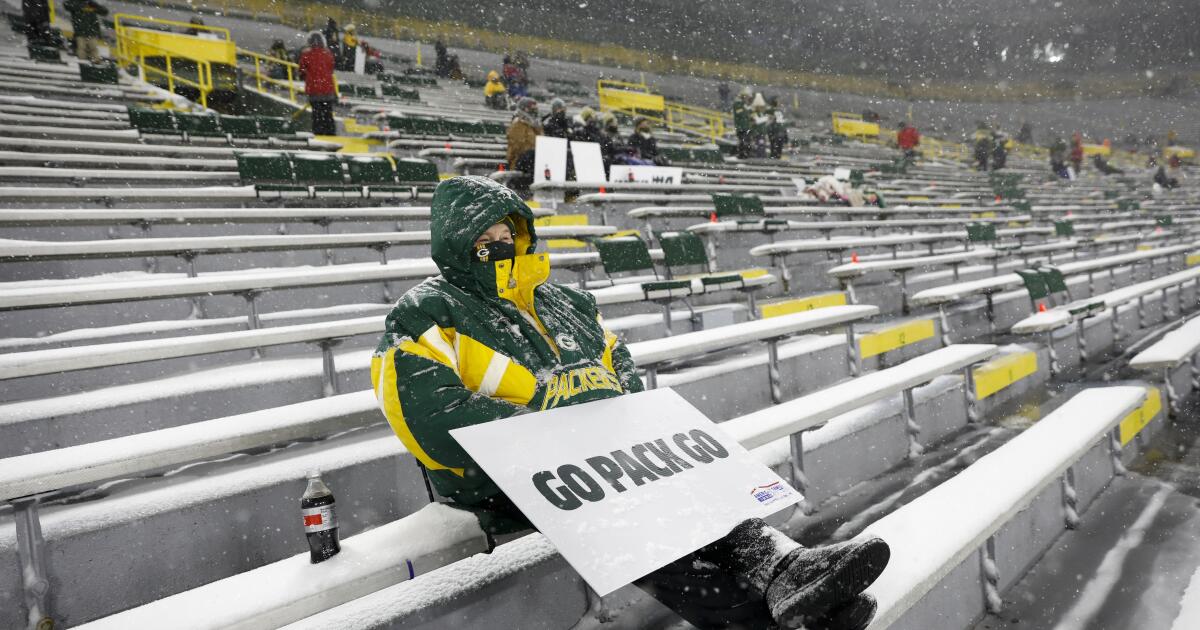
(771, 493)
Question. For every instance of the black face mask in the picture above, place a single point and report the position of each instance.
(496, 250)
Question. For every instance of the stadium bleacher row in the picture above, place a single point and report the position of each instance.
(189, 302)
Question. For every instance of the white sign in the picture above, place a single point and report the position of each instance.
(841, 174)
(360, 60)
(550, 159)
(589, 164)
(646, 174)
(625, 485)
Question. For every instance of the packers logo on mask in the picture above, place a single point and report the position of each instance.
(496, 250)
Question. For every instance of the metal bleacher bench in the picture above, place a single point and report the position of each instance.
(1050, 320)
(370, 561)
(1176, 348)
(191, 247)
(176, 216)
(987, 499)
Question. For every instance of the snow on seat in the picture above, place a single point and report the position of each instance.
(175, 216)
(122, 148)
(1177, 348)
(649, 187)
(1061, 316)
(980, 501)
(116, 161)
(427, 598)
(20, 250)
(853, 270)
(33, 172)
(69, 132)
(164, 193)
(958, 292)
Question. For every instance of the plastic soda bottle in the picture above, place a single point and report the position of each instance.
(320, 519)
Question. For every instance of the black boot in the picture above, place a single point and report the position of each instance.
(799, 584)
(855, 614)
(811, 582)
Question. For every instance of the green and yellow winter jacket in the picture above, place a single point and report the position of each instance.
(487, 339)
(743, 119)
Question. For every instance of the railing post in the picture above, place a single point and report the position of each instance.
(911, 428)
(853, 357)
(329, 380)
(170, 74)
(651, 380)
(31, 549)
(773, 377)
(944, 323)
(1070, 499)
(798, 478)
(969, 395)
(1169, 391)
(1055, 366)
(258, 73)
(1114, 451)
(291, 85)
(991, 576)
(1081, 338)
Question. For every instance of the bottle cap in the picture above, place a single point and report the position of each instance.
(313, 474)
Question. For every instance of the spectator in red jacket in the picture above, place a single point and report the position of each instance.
(907, 139)
(1077, 151)
(316, 68)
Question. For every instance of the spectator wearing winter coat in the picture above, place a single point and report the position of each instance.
(349, 47)
(522, 135)
(1104, 166)
(85, 24)
(776, 128)
(742, 121)
(983, 147)
(333, 38)
(316, 69)
(556, 124)
(514, 78)
(441, 65)
(1077, 151)
(611, 146)
(1058, 158)
(585, 126)
(495, 95)
(493, 299)
(642, 141)
(999, 150)
(278, 50)
(760, 127)
(907, 140)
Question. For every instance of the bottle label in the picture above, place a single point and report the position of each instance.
(319, 519)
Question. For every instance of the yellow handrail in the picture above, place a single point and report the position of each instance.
(637, 99)
(132, 51)
(293, 73)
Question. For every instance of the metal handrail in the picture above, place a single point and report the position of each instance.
(293, 73)
(204, 78)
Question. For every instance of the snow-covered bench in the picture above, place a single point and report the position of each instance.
(1176, 348)
(32, 173)
(649, 187)
(1037, 470)
(360, 575)
(1051, 320)
(190, 247)
(136, 149)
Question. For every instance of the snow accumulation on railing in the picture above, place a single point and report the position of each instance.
(255, 599)
(838, 243)
(941, 529)
(142, 216)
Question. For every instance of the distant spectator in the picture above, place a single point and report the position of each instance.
(1025, 133)
(1077, 152)
(193, 31)
(723, 94)
(522, 136)
(349, 47)
(643, 142)
(1104, 167)
(742, 121)
(776, 128)
(515, 79)
(585, 127)
(983, 146)
(611, 146)
(278, 50)
(1058, 158)
(441, 65)
(760, 126)
(316, 69)
(999, 150)
(85, 23)
(495, 95)
(36, 14)
(1162, 179)
(333, 38)
(907, 140)
(555, 124)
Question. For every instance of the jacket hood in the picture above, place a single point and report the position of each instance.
(464, 208)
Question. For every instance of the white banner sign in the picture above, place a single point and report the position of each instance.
(589, 164)
(550, 159)
(646, 174)
(625, 485)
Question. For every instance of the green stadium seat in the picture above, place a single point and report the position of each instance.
(157, 121)
(240, 126)
(624, 254)
(274, 126)
(369, 170)
(396, 91)
(737, 205)
(323, 173)
(366, 91)
(44, 54)
(103, 73)
(270, 172)
(495, 128)
(981, 232)
(1064, 228)
(199, 124)
(412, 171)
